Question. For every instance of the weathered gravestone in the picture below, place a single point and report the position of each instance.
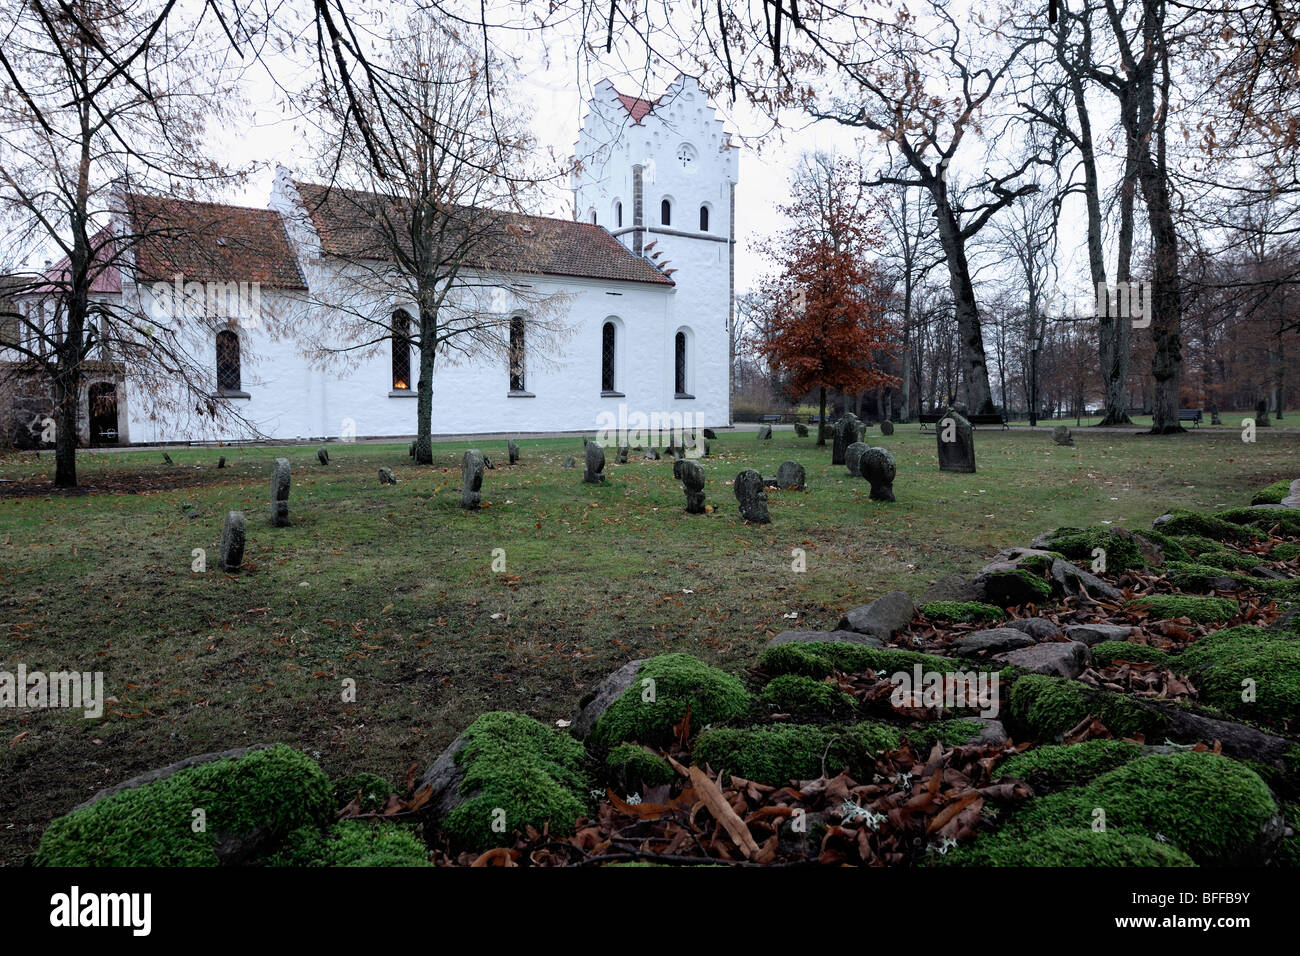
(471, 476)
(1261, 414)
(512, 449)
(846, 431)
(323, 455)
(790, 476)
(877, 466)
(652, 454)
(764, 433)
(168, 458)
(886, 427)
(569, 463)
(691, 475)
(956, 443)
(1214, 414)
(752, 496)
(620, 456)
(1061, 435)
(386, 477)
(221, 462)
(801, 429)
(411, 450)
(595, 472)
(280, 493)
(852, 456)
(710, 433)
(232, 541)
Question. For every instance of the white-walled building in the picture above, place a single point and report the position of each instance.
(644, 272)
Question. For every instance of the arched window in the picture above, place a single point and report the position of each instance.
(517, 382)
(618, 215)
(666, 213)
(607, 356)
(593, 217)
(704, 219)
(227, 361)
(679, 365)
(401, 340)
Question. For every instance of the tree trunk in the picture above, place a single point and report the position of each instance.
(973, 360)
(424, 397)
(821, 417)
(905, 402)
(66, 392)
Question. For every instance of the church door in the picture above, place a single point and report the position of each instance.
(103, 414)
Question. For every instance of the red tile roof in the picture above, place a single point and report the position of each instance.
(210, 242)
(349, 223)
(107, 277)
(636, 107)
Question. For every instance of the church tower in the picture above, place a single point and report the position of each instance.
(661, 176)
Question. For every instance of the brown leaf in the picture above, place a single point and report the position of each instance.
(722, 812)
(499, 856)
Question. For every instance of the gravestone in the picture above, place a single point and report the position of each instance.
(790, 476)
(877, 466)
(956, 443)
(886, 427)
(691, 475)
(801, 429)
(620, 456)
(1214, 414)
(764, 433)
(168, 458)
(710, 433)
(569, 463)
(853, 456)
(1061, 435)
(595, 472)
(386, 477)
(323, 455)
(1261, 415)
(751, 494)
(846, 431)
(232, 541)
(280, 493)
(708, 451)
(221, 462)
(652, 454)
(471, 474)
(512, 448)
(411, 450)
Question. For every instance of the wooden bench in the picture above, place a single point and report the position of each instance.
(1190, 415)
(769, 418)
(996, 418)
(931, 419)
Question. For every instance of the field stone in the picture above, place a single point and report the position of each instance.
(386, 476)
(652, 454)
(992, 732)
(221, 462)
(801, 429)
(951, 587)
(790, 476)
(232, 541)
(853, 458)
(280, 493)
(471, 474)
(691, 475)
(512, 449)
(828, 637)
(595, 471)
(609, 690)
(1072, 579)
(444, 778)
(1036, 627)
(569, 463)
(1292, 500)
(882, 618)
(749, 491)
(1093, 634)
(878, 468)
(710, 433)
(620, 456)
(1061, 435)
(1066, 659)
(995, 640)
(168, 459)
(765, 433)
(886, 427)
(162, 773)
(323, 455)
(843, 434)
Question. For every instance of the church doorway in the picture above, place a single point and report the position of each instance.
(103, 413)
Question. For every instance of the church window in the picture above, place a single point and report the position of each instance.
(593, 217)
(607, 356)
(517, 383)
(666, 213)
(401, 340)
(227, 361)
(618, 215)
(686, 156)
(680, 366)
(704, 219)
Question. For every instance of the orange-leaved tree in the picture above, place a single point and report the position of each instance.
(826, 324)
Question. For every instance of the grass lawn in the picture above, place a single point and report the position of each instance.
(393, 586)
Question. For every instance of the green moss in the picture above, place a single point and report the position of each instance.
(1272, 494)
(1049, 706)
(352, 843)
(1108, 651)
(822, 658)
(1064, 846)
(1206, 526)
(1169, 546)
(1204, 804)
(1193, 577)
(1263, 518)
(373, 788)
(1281, 590)
(679, 681)
(962, 611)
(634, 768)
(1006, 588)
(805, 697)
(518, 765)
(1288, 853)
(1078, 544)
(780, 753)
(950, 733)
(1124, 716)
(1224, 664)
(1055, 766)
(1233, 561)
(1204, 610)
(273, 791)
(1231, 642)
(1285, 551)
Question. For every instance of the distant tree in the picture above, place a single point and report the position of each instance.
(826, 313)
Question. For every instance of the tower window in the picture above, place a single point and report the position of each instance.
(401, 341)
(618, 215)
(593, 217)
(607, 356)
(227, 361)
(679, 365)
(517, 382)
(704, 219)
(666, 213)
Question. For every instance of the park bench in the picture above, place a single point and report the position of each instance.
(1190, 415)
(771, 417)
(930, 419)
(996, 418)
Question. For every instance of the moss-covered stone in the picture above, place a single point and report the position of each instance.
(1108, 651)
(633, 767)
(1195, 577)
(1203, 610)
(518, 765)
(269, 792)
(950, 733)
(1185, 522)
(1056, 766)
(352, 843)
(780, 753)
(1169, 546)
(963, 612)
(1048, 706)
(373, 788)
(647, 712)
(1263, 518)
(1015, 586)
(822, 658)
(1220, 645)
(1285, 551)
(1246, 661)
(1064, 846)
(1078, 545)
(805, 697)
(1210, 807)
(1272, 494)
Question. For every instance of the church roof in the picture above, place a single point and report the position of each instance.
(210, 242)
(348, 222)
(636, 107)
(105, 280)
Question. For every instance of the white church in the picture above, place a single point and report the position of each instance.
(645, 270)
